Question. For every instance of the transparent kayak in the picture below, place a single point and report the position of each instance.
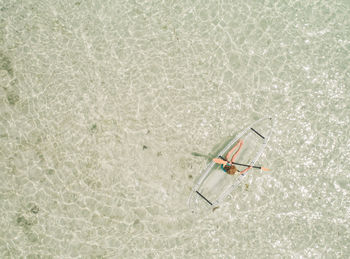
(213, 184)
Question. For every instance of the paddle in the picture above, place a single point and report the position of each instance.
(216, 160)
(257, 167)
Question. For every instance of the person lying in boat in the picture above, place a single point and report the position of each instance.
(227, 164)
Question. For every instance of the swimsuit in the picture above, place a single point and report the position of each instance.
(222, 167)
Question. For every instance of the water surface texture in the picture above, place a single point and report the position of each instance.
(110, 110)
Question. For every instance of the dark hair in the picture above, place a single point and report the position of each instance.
(230, 169)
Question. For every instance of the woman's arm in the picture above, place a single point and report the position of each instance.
(220, 161)
(245, 170)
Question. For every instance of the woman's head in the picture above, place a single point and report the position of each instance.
(230, 169)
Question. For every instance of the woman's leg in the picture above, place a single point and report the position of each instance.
(235, 155)
(240, 142)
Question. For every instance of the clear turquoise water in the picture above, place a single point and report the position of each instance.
(105, 108)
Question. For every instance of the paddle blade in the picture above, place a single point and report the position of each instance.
(265, 169)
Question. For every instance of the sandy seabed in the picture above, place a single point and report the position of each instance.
(109, 111)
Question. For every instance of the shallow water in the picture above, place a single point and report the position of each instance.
(110, 111)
